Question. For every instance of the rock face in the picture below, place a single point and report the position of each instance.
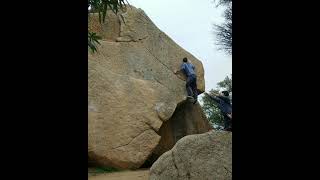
(196, 157)
(187, 119)
(132, 89)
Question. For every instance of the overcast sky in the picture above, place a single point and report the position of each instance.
(189, 23)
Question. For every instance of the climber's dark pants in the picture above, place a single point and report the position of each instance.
(191, 86)
(227, 122)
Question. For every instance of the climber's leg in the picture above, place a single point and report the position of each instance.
(194, 88)
(188, 86)
(227, 123)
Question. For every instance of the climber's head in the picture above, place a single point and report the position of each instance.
(225, 93)
(185, 59)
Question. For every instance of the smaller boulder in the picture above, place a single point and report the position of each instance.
(196, 157)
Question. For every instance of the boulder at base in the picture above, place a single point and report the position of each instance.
(187, 119)
(197, 157)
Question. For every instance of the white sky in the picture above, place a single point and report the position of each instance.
(189, 23)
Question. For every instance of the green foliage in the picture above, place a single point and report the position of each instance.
(105, 169)
(99, 170)
(93, 40)
(212, 111)
(101, 7)
(210, 107)
(226, 84)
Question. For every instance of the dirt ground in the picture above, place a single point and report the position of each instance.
(122, 175)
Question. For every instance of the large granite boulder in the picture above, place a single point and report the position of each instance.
(132, 89)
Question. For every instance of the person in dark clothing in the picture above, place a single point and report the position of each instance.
(225, 107)
(191, 84)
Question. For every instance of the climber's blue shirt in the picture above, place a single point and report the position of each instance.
(188, 69)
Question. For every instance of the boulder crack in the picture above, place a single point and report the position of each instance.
(130, 140)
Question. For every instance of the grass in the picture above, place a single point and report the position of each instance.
(101, 170)
(106, 169)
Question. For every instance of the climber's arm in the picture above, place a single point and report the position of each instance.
(215, 94)
(176, 71)
(213, 97)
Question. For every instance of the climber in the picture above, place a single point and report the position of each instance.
(225, 107)
(189, 70)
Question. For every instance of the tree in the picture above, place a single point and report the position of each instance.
(224, 31)
(101, 7)
(223, 2)
(210, 107)
(226, 84)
